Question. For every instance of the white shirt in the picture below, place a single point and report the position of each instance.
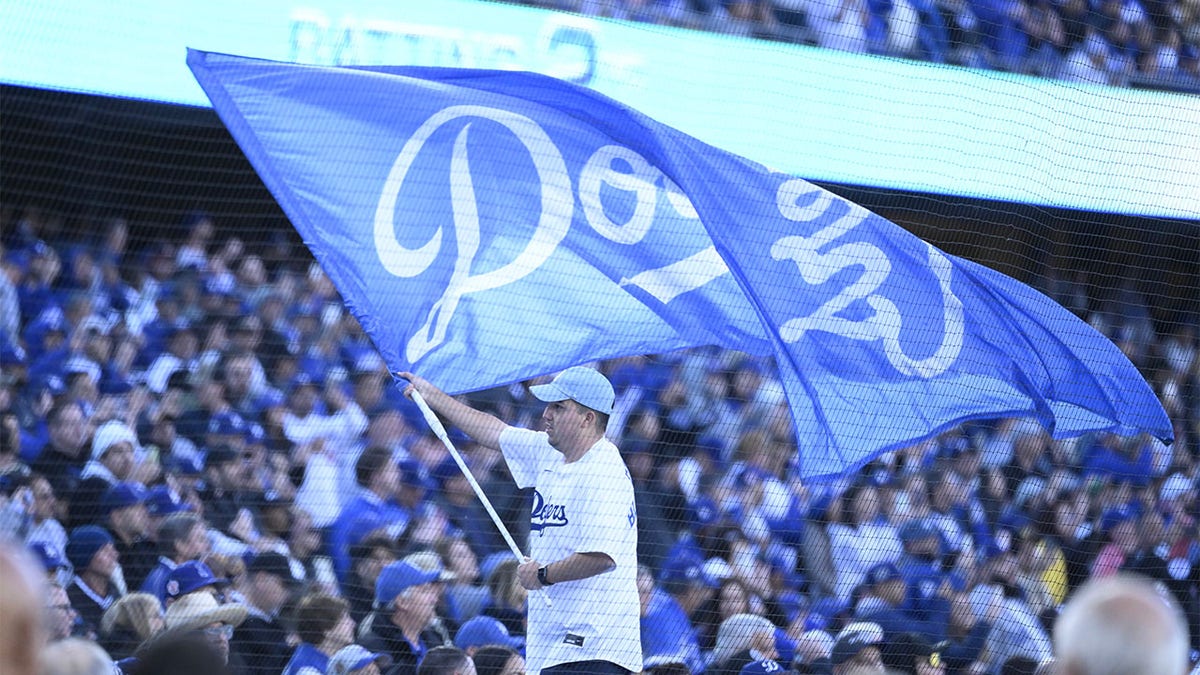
(583, 507)
(857, 550)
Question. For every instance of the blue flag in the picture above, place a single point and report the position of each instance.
(486, 227)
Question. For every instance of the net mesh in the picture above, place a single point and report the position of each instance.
(157, 295)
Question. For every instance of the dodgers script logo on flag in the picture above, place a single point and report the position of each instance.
(486, 227)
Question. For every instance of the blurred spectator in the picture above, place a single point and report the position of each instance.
(324, 627)
(741, 639)
(129, 622)
(181, 537)
(60, 617)
(860, 536)
(179, 652)
(485, 631)
(93, 554)
(1121, 625)
(262, 639)
(856, 649)
(76, 656)
(371, 510)
(129, 523)
(355, 660)
(200, 612)
(496, 660)
(508, 597)
(367, 559)
(464, 595)
(446, 661)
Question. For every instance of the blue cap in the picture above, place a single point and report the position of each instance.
(791, 602)
(302, 379)
(162, 501)
(481, 631)
(185, 465)
(415, 474)
(1116, 515)
(882, 573)
(189, 577)
(255, 434)
(446, 470)
(689, 569)
(398, 577)
(916, 530)
(84, 543)
(764, 667)
(51, 558)
(13, 355)
(227, 423)
(586, 386)
(52, 383)
(121, 496)
(823, 611)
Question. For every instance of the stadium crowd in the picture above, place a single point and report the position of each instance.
(1148, 43)
(214, 470)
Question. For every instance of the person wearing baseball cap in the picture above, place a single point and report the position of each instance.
(583, 539)
(913, 654)
(127, 519)
(406, 597)
(481, 631)
(265, 589)
(357, 660)
(856, 649)
(193, 576)
(93, 554)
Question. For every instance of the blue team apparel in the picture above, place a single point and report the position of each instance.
(486, 227)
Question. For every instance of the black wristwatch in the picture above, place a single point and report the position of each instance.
(542, 577)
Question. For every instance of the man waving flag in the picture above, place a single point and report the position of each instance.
(487, 227)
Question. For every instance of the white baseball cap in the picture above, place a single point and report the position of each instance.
(586, 386)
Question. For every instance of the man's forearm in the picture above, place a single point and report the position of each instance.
(483, 428)
(571, 568)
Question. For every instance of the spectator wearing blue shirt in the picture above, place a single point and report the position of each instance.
(667, 610)
(372, 509)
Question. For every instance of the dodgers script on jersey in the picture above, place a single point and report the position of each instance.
(583, 507)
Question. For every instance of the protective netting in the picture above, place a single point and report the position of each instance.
(204, 448)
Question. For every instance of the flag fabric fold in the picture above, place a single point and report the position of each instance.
(487, 227)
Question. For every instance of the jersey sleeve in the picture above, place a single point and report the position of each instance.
(608, 517)
(526, 453)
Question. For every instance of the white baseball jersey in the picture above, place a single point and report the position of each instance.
(583, 507)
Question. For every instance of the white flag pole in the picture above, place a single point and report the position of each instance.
(440, 431)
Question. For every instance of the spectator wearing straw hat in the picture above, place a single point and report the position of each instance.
(201, 612)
